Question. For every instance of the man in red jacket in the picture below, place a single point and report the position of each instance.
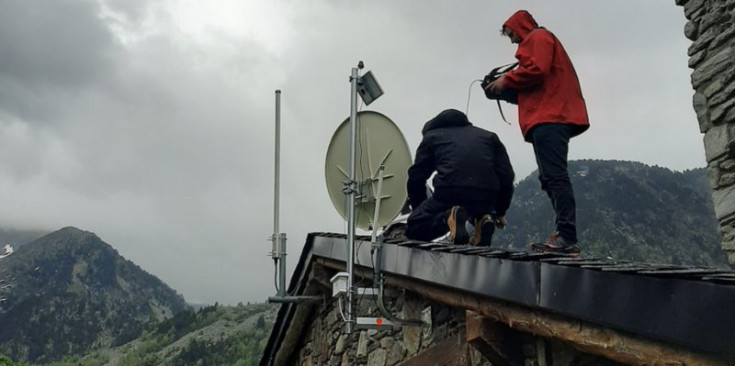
(551, 110)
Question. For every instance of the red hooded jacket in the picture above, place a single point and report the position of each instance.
(547, 85)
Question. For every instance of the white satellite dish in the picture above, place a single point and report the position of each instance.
(379, 143)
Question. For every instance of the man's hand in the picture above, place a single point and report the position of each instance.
(499, 222)
(496, 87)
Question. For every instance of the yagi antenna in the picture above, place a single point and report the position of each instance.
(278, 253)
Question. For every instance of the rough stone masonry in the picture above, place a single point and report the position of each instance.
(711, 28)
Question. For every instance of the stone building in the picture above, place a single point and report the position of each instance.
(466, 305)
(711, 27)
(475, 306)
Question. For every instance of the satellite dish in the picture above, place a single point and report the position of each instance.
(379, 142)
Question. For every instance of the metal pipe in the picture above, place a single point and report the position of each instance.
(282, 266)
(378, 193)
(277, 178)
(295, 299)
(349, 321)
(279, 240)
(374, 242)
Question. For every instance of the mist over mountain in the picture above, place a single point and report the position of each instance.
(625, 211)
(18, 237)
(69, 292)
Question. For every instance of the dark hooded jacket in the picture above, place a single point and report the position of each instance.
(547, 84)
(471, 164)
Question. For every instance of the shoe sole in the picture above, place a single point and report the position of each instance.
(543, 248)
(457, 220)
(483, 233)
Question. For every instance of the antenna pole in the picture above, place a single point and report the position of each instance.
(349, 321)
(279, 239)
(277, 173)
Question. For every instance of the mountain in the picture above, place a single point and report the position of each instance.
(213, 335)
(70, 292)
(625, 211)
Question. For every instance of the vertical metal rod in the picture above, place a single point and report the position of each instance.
(374, 242)
(279, 241)
(277, 177)
(351, 202)
(282, 267)
(376, 214)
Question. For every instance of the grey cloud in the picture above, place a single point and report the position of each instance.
(61, 43)
(133, 11)
(50, 50)
(161, 142)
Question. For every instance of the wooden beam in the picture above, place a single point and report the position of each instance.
(496, 341)
(586, 337)
(318, 280)
(450, 352)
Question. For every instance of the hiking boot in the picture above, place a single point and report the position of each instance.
(556, 244)
(456, 222)
(484, 229)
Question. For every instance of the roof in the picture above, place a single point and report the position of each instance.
(688, 306)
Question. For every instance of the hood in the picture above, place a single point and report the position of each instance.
(521, 23)
(447, 118)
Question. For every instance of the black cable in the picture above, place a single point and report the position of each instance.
(359, 158)
(372, 261)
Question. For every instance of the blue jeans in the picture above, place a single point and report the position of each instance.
(551, 146)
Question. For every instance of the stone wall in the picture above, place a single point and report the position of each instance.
(326, 344)
(711, 28)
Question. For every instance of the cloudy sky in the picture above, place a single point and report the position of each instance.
(151, 122)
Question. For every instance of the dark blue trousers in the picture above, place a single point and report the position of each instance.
(551, 146)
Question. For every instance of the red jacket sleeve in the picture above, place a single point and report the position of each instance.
(535, 54)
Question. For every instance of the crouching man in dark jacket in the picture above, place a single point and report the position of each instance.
(473, 181)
